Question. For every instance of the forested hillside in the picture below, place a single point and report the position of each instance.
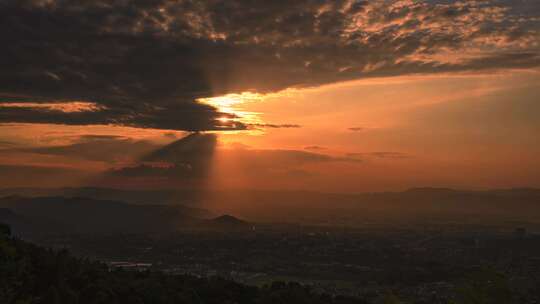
(32, 274)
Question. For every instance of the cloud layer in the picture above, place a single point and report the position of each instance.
(145, 63)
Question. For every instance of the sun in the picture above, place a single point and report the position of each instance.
(224, 119)
(232, 106)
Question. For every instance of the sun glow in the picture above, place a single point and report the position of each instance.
(224, 119)
(232, 104)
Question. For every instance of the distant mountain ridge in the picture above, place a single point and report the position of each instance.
(228, 221)
(302, 206)
(187, 197)
(6, 213)
(83, 215)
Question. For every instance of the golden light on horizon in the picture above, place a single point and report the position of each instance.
(224, 119)
(232, 104)
(359, 130)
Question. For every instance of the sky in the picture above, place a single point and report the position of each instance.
(318, 95)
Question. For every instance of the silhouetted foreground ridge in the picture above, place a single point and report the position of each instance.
(32, 274)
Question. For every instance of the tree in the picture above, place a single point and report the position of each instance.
(5, 230)
(485, 287)
(391, 299)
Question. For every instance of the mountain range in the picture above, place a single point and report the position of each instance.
(87, 215)
(137, 206)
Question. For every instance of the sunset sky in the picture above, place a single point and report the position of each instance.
(320, 95)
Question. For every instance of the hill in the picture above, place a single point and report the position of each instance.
(82, 215)
(228, 222)
(32, 274)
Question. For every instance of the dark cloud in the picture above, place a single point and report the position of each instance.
(184, 116)
(187, 158)
(144, 63)
(357, 129)
(99, 148)
(315, 148)
(170, 135)
(99, 137)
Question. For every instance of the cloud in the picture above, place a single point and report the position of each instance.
(40, 176)
(145, 64)
(315, 148)
(276, 126)
(100, 137)
(380, 154)
(184, 116)
(390, 155)
(357, 129)
(293, 157)
(187, 158)
(7, 144)
(191, 158)
(106, 148)
(170, 135)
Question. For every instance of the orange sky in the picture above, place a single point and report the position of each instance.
(468, 131)
(453, 130)
(336, 96)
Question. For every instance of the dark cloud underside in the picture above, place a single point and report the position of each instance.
(144, 63)
(100, 148)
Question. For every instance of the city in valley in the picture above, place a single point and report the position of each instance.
(425, 257)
